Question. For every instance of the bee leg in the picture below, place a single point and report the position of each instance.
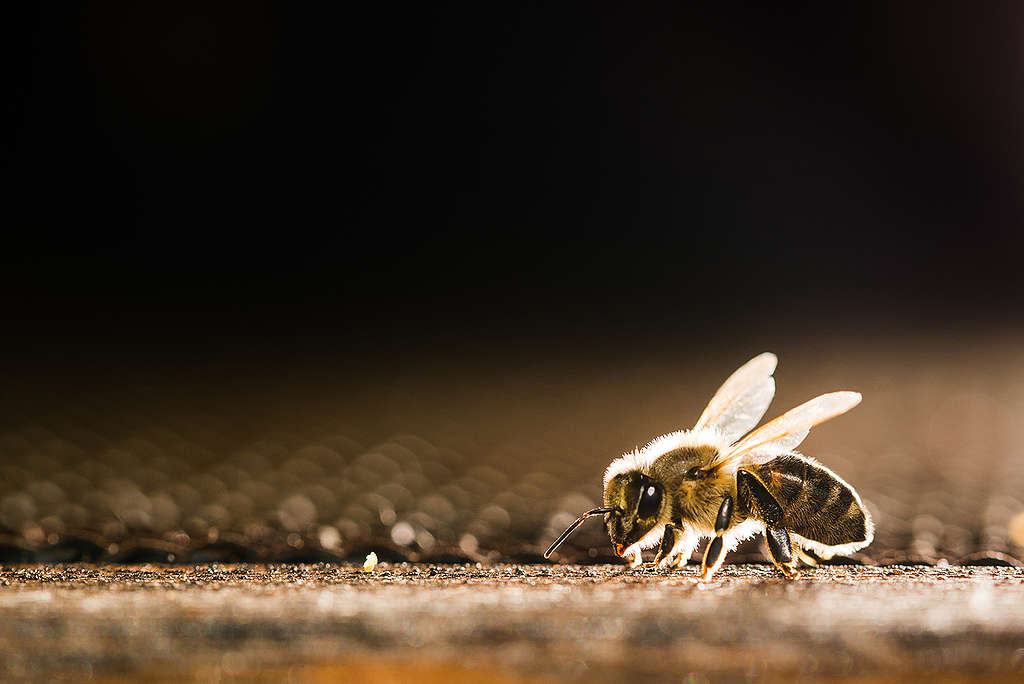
(714, 554)
(805, 556)
(676, 547)
(668, 542)
(756, 497)
(781, 547)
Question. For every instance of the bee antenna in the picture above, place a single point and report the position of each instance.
(569, 530)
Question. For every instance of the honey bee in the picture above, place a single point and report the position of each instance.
(712, 482)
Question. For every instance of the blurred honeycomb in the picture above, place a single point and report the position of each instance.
(488, 464)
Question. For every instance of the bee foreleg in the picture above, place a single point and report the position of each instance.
(668, 542)
(676, 547)
(714, 554)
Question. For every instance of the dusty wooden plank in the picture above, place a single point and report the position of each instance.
(517, 621)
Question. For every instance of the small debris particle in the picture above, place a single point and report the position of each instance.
(370, 563)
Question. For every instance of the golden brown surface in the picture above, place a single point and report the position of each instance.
(457, 623)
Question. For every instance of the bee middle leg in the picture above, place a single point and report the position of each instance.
(714, 554)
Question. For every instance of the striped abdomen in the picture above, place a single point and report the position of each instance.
(817, 505)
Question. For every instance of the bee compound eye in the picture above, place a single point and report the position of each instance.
(650, 500)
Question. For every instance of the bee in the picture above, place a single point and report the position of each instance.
(714, 482)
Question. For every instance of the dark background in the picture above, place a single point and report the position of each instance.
(532, 236)
(335, 179)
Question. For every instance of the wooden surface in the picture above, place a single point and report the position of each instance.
(509, 623)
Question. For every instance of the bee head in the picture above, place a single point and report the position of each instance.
(637, 505)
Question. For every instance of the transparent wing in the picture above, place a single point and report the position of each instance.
(771, 450)
(791, 427)
(740, 403)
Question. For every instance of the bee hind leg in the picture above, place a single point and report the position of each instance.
(714, 554)
(806, 557)
(781, 548)
(756, 497)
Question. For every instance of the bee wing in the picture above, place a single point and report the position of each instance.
(740, 403)
(791, 427)
(783, 445)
